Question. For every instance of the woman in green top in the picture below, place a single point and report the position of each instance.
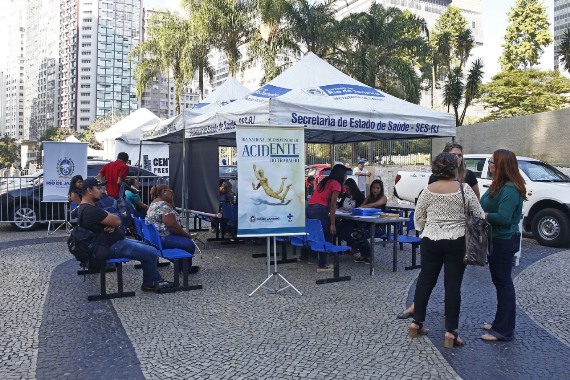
(503, 204)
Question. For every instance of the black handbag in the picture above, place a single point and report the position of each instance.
(477, 237)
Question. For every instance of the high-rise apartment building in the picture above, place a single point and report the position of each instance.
(12, 48)
(41, 68)
(561, 24)
(96, 74)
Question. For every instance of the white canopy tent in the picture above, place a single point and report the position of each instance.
(129, 126)
(171, 130)
(331, 106)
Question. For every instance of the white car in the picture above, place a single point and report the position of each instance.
(546, 213)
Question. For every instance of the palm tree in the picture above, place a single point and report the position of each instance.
(313, 25)
(382, 49)
(564, 50)
(272, 37)
(456, 92)
(165, 51)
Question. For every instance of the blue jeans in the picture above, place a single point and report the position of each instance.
(321, 213)
(179, 241)
(136, 250)
(501, 266)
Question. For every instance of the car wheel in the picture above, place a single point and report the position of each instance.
(550, 227)
(25, 218)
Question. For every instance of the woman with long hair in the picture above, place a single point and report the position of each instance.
(351, 197)
(441, 217)
(503, 203)
(322, 206)
(377, 198)
(74, 193)
(162, 213)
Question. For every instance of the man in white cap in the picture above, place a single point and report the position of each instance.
(361, 175)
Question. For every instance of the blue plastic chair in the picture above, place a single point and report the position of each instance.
(317, 242)
(176, 255)
(413, 240)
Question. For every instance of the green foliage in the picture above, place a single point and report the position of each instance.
(166, 50)
(9, 151)
(528, 33)
(99, 125)
(524, 92)
(382, 48)
(451, 43)
(564, 50)
(57, 134)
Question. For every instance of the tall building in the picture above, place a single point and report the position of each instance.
(96, 74)
(12, 48)
(41, 68)
(561, 24)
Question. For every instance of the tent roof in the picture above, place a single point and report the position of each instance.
(330, 105)
(129, 125)
(71, 138)
(171, 130)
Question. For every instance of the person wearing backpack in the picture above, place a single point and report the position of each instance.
(106, 227)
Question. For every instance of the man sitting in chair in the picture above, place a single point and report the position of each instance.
(102, 222)
(263, 182)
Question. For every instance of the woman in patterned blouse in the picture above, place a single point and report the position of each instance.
(162, 214)
(441, 218)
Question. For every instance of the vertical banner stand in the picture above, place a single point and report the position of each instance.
(275, 274)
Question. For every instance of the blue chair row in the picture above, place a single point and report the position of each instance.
(180, 258)
(315, 241)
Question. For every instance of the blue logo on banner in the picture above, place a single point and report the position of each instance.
(269, 91)
(200, 105)
(65, 167)
(350, 89)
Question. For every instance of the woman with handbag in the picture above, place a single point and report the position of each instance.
(440, 214)
(503, 203)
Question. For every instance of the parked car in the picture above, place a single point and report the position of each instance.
(21, 199)
(320, 171)
(547, 210)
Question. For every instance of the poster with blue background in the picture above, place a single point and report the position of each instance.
(271, 181)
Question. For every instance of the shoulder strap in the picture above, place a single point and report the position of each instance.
(463, 197)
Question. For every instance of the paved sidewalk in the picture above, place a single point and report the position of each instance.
(334, 331)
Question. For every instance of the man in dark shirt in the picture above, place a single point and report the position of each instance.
(101, 222)
(115, 173)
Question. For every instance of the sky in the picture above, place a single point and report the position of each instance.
(494, 27)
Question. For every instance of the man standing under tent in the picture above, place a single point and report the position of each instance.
(115, 173)
(361, 175)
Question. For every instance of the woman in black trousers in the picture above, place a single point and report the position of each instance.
(441, 217)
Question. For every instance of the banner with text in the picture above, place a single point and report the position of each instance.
(154, 156)
(62, 161)
(271, 179)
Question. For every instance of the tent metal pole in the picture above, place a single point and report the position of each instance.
(140, 154)
(184, 182)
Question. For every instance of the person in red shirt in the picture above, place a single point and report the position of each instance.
(115, 173)
(322, 206)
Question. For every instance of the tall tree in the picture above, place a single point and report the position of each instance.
(564, 50)
(451, 42)
(228, 22)
(9, 151)
(524, 92)
(528, 33)
(272, 37)
(382, 48)
(166, 51)
(313, 26)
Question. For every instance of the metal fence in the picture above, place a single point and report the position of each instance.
(389, 152)
(21, 201)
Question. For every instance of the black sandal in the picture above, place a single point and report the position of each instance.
(404, 315)
(455, 341)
